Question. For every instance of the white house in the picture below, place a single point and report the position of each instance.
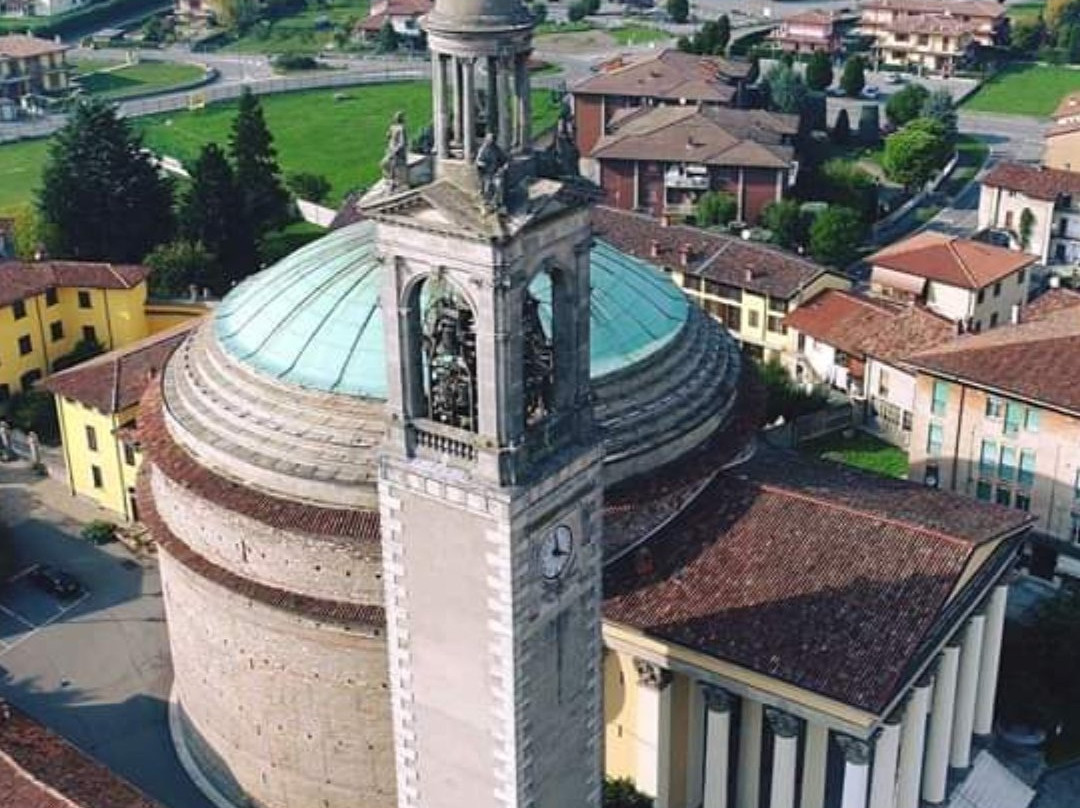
(1050, 200)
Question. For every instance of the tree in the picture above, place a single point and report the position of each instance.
(913, 154)
(621, 793)
(835, 236)
(841, 131)
(853, 79)
(678, 10)
(786, 221)
(388, 40)
(312, 187)
(86, 348)
(1027, 227)
(212, 214)
(266, 203)
(715, 208)
(34, 411)
(813, 112)
(723, 34)
(906, 105)
(29, 232)
(844, 183)
(177, 266)
(1069, 36)
(539, 13)
(786, 89)
(939, 107)
(102, 198)
(819, 72)
(1027, 36)
(237, 15)
(869, 124)
(576, 12)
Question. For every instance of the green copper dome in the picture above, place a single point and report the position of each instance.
(313, 318)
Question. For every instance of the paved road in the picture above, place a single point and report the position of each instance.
(97, 669)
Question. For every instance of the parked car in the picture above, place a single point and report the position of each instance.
(56, 582)
(871, 92)
(836, 91)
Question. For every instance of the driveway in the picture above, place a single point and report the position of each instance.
(94, 668)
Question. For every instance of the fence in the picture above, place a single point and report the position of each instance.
(833, 418)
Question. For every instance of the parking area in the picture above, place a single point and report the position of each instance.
(26, 608)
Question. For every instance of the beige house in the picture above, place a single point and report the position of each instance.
(976, 285)
(30, 66)
(1049, 200)
(997, 418)
(809, 32)
(1063, 137)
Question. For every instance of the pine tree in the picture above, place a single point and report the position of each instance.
(853, 79)
(388, 40)
(265, 201)
(102, 198)
(841, 132)
(819, 72)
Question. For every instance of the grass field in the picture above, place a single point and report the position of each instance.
(1024, 12)
(861, 451)
(1024, 90)
(136, 79)
(307, 32)
(341, 139)
(639, 34)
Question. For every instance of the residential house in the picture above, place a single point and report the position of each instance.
(31, 67)
(973, 284)
(1062, 139)
(747, 286)
(660, 160)
(932, 35)
(404, 17)
(669, 77)
(47, 307)
(96, 403)
(809, 32)
(856, 344)
(16, 8)
(1045, 200)
(997, 418)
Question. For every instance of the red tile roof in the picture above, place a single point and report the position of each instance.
(814, 16)
(971, 8)
(671, 75)
(950, 260)
(1037, 182)
(1049, 302)
(20, 280)
(723, 259)
(1067, 107)
(19, 46)
(715, 136)
(1038, 359)
(115, 381)
(39, 769)
(815, 574)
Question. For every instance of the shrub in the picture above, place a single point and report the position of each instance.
(835, 236)
(782, 397)
(841, 131)
(295, 61)
(819, 72)
(853, 79)
(99, 532)
(906, 105)
(844, 183)
(84, 349)
(312, 187)
(869, 124)
(34, 411)
(716, 207)
(577, 12)
(621, 793)
(678, 10)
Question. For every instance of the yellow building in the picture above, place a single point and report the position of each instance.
(747, 286)
(96, 403)
(31, 66)
(48, 307)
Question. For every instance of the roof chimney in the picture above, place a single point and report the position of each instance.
(654, 248)
(684, 254)
(748, 274)
(665, 220)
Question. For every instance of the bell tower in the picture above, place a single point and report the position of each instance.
(490, 482)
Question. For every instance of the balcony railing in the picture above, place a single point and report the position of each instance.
(690, 181)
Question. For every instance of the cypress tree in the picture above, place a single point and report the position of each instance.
(266, 203)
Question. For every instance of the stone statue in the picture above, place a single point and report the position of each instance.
(449, 345)
(395, 168)
(539, 364)
(566, 151)
(491, 163)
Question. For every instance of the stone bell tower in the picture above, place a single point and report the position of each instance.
(490, 478)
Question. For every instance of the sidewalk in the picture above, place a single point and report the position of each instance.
(26, 494)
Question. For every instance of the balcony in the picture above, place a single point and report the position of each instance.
(690, 179)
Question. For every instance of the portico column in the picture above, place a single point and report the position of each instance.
(991, 658)
(939, 735)
(815, 758)
(439, 91)
(653, 731)
(718, 704)
(506, 115)
(468, 102)
(695, 745)
(785, 752)
(967, 689)
(524, 102)
(856, 772)
(455, 67)
(883, 777)
(912, 745)
(748, 775)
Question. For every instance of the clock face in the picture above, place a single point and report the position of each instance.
(556, 552)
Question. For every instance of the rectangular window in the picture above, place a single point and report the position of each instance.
(84, 300)
(777, 304)
(1020, 278)
(1027, 467)
(987, 458)
(89, 333)
(994, 407)
(940, 397)
(935, 439)
(1013, 416)
(26, 345)
(56, 330)
(776, 325)
(997, 289)
(906, 422)
(1031, 420)
(129, 454)
(752, 319)
(18, 308)
(981, 296)
(1003, 496)
(993, 319)
(931, 478)
(91, 438)
(1022, 501)
(51, 298)
(95, 474)
(883, 384)
(1007, 466)
(983, 490)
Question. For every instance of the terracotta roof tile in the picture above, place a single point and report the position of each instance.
(670, 75)
(39, 769)
(115, 381)
(1038, 359)
(19, 46)
(951, 260)
(1049, 302)
(820, 576)
(1068, 106)
(734, 262)
(20, 280)
(815, 16)
(1034, 181)
(971, 8)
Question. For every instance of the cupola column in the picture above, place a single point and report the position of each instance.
(524, 138)
(438, 89)
(717, 746)
(468, 102)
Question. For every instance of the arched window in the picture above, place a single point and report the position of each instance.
(448, 354)
(538, 366)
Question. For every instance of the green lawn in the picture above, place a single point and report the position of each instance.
(1024, 90)
(861, 451)
(341, 139)
(307, 32)
(639, 34)
(136, 79)
(1024, 12)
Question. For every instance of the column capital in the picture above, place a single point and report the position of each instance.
(651, 675)
(783, 724)
(717, 699)
(856, 752)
